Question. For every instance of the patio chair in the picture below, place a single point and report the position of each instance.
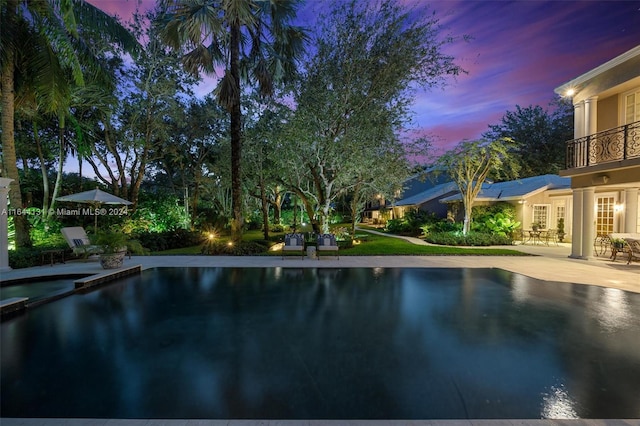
(327, 244)
(293, 243)
(78, 240)
(551, 235)
(633, 246)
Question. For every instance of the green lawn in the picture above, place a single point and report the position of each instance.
(375, 245)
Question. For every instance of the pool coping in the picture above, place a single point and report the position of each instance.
(257, 422)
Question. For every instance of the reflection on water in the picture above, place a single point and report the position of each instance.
(557, 404)
(294, 343)
(613, 310)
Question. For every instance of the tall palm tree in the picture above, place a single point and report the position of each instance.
(252, 40)
(46, 46)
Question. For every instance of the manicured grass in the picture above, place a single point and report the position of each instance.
(376, 245)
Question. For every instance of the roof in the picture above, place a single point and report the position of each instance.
(518, 189)
(428, 195)
(580, 80)
(423, 181)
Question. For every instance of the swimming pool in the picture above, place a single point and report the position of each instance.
(361, 343)
(40, 289)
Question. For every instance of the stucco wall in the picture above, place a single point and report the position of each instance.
(614, 177)
(608, 113)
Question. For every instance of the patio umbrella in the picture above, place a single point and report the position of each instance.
(95, 197)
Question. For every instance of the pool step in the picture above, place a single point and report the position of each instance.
(12, 304)
(96, 280)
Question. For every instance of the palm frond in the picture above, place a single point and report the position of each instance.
(227, 91)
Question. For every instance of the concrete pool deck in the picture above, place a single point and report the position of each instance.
(549, 263)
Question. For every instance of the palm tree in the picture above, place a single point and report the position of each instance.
(252, 40)
(46, 47)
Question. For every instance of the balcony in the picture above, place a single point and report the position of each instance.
(617, 144)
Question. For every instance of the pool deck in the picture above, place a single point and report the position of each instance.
(550, 263)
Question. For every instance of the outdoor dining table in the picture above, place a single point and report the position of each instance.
(535, 236)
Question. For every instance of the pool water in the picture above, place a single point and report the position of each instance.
(38, 290)
(360, 343)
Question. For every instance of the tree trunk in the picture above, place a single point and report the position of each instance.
(468, 206)
(58, 184)
(277, 207)
(9, 159)
(265, 210)
(45, 175)
(236, 138)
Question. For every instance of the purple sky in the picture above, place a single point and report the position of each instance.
(520, 52)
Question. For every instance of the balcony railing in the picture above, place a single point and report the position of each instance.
(619, 143)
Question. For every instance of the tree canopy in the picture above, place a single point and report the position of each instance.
(469, 164)
(539, 136)
(254, 42)
(353, 101)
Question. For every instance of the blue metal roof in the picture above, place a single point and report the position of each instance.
(517, 189)
(428, 195)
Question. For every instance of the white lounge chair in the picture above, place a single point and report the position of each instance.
(327, 244)
(78, 240)
(293, 243)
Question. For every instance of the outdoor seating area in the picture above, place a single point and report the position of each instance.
(623, 245)
(295, 243)
(539, 236)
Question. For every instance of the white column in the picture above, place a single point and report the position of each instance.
(591, 116)
(630, 210)
(578, 120)
(588, 221)
(4, 232)
(576, 226)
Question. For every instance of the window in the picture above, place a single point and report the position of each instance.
(541, 215)
(631, 107)
(604, 215)
(560, 213)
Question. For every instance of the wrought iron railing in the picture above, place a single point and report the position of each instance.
(619, 143)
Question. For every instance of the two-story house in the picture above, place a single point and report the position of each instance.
(603, 159)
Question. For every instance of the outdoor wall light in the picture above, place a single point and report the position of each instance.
(617, 207)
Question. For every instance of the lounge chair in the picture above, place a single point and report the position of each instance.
(78, 240)
(293, 243)
(327, 243)
(633, 246)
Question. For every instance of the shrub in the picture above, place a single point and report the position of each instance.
(159, 241)
(471, 239)
(276, 227)
(397, 226)
(244, 248)
(27, 257)
(483, 216)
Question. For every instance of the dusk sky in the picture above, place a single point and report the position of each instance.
(520, 51)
